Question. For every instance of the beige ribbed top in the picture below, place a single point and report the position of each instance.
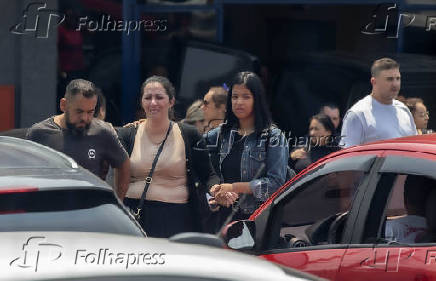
(169, 177)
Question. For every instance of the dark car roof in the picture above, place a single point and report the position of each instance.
(28, 164)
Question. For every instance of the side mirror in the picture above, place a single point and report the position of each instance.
(240, 235)
(198, 238)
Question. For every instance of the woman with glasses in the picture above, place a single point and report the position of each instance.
(246, 146)
(420, 114)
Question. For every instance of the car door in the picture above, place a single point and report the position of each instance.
(308, 224)
(394, 244)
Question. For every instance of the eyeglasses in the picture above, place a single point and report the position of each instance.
(424, 114)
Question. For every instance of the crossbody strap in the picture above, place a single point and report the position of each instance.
(148, 179)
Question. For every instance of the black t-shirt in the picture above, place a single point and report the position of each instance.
(231, 166)
(99, 143)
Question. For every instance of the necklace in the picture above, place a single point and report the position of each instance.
(245, 132)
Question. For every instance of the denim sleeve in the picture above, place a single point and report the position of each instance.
(276, 167)
(211, 138)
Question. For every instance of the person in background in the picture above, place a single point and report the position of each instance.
(321, 143)
(429, 236)
(332, 111)
(420, 114)
(176, 197)
(379, 115)
(244, 143)
(100, 108)
(214, 107)
(194, 116)
(407, 228)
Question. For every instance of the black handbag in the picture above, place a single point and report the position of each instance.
(148, 179)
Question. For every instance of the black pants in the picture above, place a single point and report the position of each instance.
(161, 219)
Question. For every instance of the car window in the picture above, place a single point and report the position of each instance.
(83, 210)
(361, 163)
(403, 212)
(408, 165)
(317, 206)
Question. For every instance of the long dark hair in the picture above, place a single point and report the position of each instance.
(262, 115)
(325, 121)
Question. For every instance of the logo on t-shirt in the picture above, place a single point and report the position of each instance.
(91, 153)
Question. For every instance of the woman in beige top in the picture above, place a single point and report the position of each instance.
(175, 201)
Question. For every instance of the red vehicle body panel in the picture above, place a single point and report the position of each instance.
(323, 263)
(399, 263)
(389, 263)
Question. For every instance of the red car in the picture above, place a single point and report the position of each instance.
(362, 213)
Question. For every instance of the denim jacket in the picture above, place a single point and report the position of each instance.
(256, 151)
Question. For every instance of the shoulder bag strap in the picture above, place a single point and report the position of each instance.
(148, 179)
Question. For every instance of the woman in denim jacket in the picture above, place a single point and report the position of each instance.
(243, 143)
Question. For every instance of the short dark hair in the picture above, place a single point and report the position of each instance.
(262, 117)
(329, 104)
(219, 95)
(80, 86)
(412, 102)
(166, 84)
(325, 121)
(383, 64)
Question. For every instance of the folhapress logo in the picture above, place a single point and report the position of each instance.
(37, 19)
(387, 20)
(36, 251)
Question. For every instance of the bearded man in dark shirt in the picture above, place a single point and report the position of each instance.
(89, 141)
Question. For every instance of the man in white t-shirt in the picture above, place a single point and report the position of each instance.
(379, 115)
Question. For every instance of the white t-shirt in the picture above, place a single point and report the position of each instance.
(405, 229)
(369, 120)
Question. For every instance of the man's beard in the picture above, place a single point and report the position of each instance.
(77, 131)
